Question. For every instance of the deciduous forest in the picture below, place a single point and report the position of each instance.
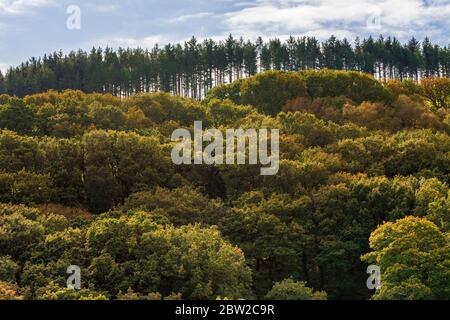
(86, 178)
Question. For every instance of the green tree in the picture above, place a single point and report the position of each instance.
(183, 205)
(8, 269)
(198, 263)
(55, 292)
(353, 85)
(414, 258)
(226, 113)
(15, 117)
(290, 289)
(437, 91)
(270, 91)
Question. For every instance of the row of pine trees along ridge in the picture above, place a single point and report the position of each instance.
(193, 68)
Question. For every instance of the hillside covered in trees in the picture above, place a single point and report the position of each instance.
(193, 68)
(86, 179)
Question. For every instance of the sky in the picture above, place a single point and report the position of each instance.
(34, 27)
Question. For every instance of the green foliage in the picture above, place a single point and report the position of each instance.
(116, 163)
(268, 91)
(182, 206)
(18, 118)
(353, 85)
(108, 117)
(211, 267)
(55, 292)
(161, 107)
(197, 261)
(269, 244)
(226, 113)
(131, 295)
(315, 131)
(437, 91)
(20, 227)
(17, 152)
(292, 290)
(414, 257)
(8, 269)
(102, 192)
(231, 91)
(25, 187)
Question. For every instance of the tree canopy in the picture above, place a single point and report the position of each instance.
(415, 258)
(87, 179)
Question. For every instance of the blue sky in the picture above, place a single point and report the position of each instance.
(34, 27)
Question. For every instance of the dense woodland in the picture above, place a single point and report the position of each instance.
(87, 179)
(193, 68)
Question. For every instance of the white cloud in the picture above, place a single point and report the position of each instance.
(185, 18)
(103, 8)
(11, 7)
(131, 42)
(318, 18)
(343, 17)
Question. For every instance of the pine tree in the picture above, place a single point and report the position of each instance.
(192, 69)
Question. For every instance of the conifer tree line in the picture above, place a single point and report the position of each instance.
(193, 68)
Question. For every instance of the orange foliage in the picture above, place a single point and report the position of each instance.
(68, 212)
